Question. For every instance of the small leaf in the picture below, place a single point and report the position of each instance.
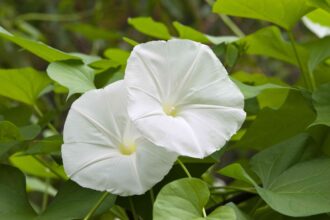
(321, 102)
(236, 171)
(150, 27)
(324, 4)
(37, 48)
(186, 32)
(24, 85)
(77, 77)
(118, 55)
(285, 13)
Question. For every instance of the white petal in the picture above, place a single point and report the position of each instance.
(319, 30)
(188, 77)
(96, 126)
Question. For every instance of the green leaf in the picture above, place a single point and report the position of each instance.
(302, 190)
(77, 77)
(253, 91)
(321, 102)
(118, 55)
(150, 27)
(324, 4)
(24, 85)
(37, 48)
(186, 32)
(73, 202)
(272, 162)
(319, 51)
(270, 43)
(184, 199)
(32, 166)
(48, 145)
(236, 171)
(8, 131)
(285, 13)
(14, 203)
(273, 126)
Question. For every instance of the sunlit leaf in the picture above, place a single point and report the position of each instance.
(150, 27)
(24, 85)
(37, 48)
(285, 13)
(77, 77)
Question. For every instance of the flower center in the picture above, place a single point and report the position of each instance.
(170, 110)
(127, 149)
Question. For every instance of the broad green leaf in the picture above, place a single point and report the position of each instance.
(321, 102)
(37, 48)
(32, 166)
(285, 13)
(73, 202)
(150, 27)
(77, 77)
(24, 85)
(269, 42)
(324, 4)
(319, 51)
(302, 190)
(272, 162)
(273, 126)
(14, 203)
(118, 55)
(184, 199)
(186, 32)
(29, 132)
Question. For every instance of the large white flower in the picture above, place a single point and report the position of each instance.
(318, 21)
(181, 98)
(103, 151)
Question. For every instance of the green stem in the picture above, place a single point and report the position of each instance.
(189, 175)
(307, 75)
(152, 196)
(96, 206)
(45, 196)
(51, 169)
(232, 26)
(40, 114)
(131, 203)
(184, 168)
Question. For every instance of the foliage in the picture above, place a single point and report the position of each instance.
(275, 167)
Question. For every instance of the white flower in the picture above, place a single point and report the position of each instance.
(103, 151)
(181, 98)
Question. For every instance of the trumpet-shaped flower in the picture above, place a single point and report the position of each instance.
(102, 150)
(181, 98)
